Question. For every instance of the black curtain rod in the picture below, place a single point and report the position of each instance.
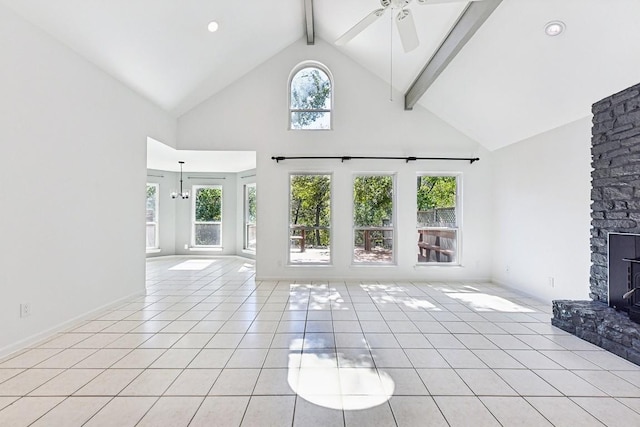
(204, 177)
(406, 159)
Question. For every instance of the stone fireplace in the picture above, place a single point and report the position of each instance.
(615, 211)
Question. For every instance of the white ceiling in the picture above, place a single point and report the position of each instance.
(162, 48)
(510, 82)
(163, 157)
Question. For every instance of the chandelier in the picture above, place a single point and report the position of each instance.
(182, 194)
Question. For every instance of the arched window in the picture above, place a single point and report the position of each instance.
(310, 97)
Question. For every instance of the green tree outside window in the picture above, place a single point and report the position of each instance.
(373, 201)
(209, 205)
(310, 102)
(311, 204)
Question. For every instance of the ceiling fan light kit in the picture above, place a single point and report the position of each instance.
(404, 22)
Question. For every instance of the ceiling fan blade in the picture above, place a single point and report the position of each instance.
(423, 2)
(407, 30)
(360, 26)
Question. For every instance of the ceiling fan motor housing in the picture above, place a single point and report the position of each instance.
(403, 18)
(395, 4)
(403, 14)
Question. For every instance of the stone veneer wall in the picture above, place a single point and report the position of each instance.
(615, 189)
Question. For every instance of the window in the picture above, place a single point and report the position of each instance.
(437, 219)
(373, 226)
(207, 215)
(250, 210)
(310, 98)
(152, 216)
(310, 219)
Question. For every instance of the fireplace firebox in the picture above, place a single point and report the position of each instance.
(634, 285)
(624, 273)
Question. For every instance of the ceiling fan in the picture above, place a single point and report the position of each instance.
(404, 21)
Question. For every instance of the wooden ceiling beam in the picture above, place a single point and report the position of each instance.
(471, 19)
(308, 14)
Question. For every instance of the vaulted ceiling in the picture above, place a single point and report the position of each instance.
(509, 82)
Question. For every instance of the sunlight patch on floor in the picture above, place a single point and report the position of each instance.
(246, 267)
(319, 296)
(323, 379)
(486, 302)
(193, 265)
(386, 294)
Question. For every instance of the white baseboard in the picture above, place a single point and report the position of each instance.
(352, 279)
(41, 336)
(179, 256)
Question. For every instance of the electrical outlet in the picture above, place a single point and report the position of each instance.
(25, 310)
(552, 282)
(186, 246)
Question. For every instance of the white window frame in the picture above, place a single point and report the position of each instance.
(294, 72)
(247, 224)
(392, 228)
(329, 228)
(194, 197)
(458, 229)
(155, 223)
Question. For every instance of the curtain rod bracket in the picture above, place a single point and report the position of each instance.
(345, 158)
(411, 159)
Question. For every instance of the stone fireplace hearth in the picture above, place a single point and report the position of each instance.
(601, 325)
(615, 208)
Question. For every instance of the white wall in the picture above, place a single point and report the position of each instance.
(365, 123)
(73, 145)
(542, 213)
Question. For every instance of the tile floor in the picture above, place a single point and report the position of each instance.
(208, 346)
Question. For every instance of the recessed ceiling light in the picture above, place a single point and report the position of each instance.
(554, 28)
(213, 26)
